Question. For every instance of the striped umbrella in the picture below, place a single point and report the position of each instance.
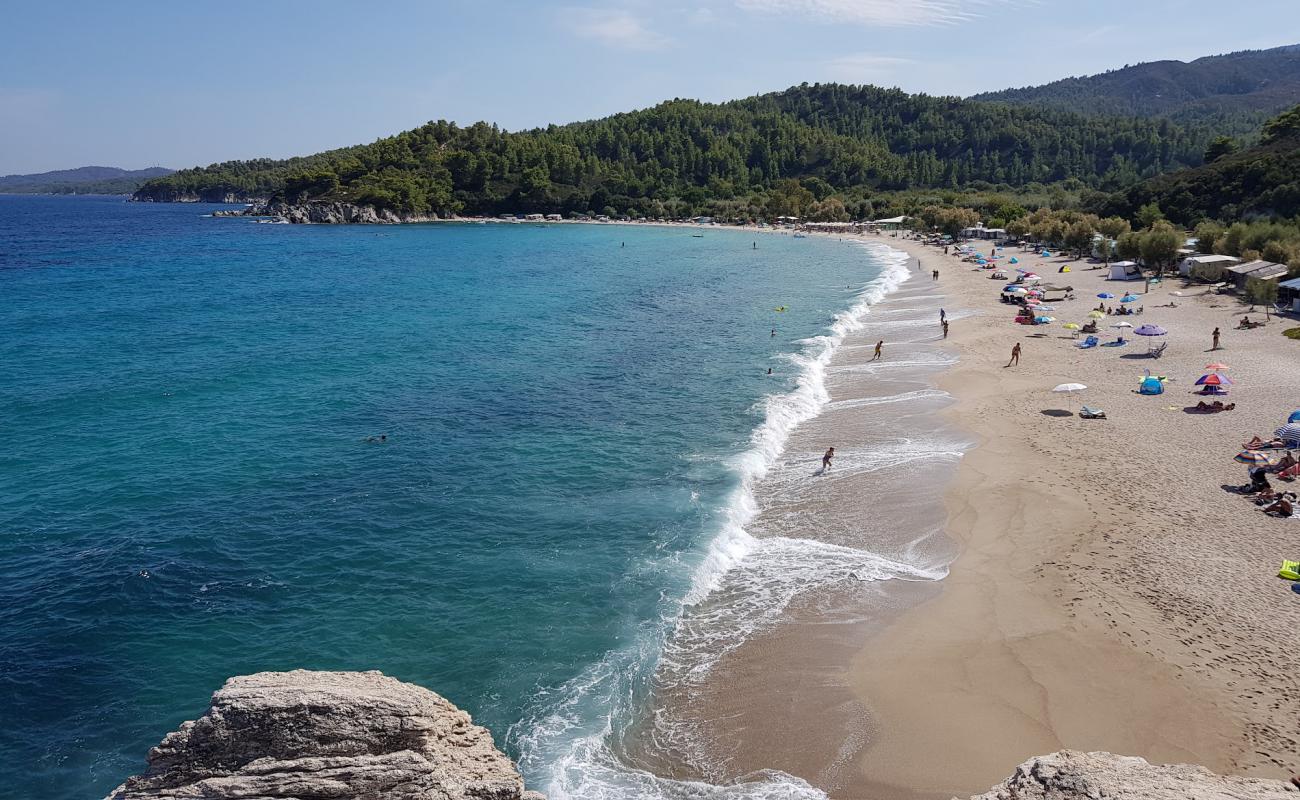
(1289, 433)
(1213, 379)
(1253, 457)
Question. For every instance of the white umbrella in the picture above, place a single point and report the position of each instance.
(1069, 388)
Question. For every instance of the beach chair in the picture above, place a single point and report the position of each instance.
(1088, 412)
(1091, 341)
(1159, 351)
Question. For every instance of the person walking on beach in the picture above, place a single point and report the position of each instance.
(943, 315)
(1216, 339)
(945, 329)
(1015, 355)
(934, 275)
(879, 350)
(826, 459)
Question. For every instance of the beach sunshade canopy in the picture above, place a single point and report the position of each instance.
(1295, 417)
(1289, 433)
(1106, 296)
(1213, 379)
(1015, 260)
(1253, 457)
(1069, 388)
(1150, 330)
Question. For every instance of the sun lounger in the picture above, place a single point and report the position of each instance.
(1091, 341)
(1159, 351)
(1091, 413)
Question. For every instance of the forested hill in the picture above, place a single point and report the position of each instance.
(683, 156)
(82, 180)
(1234, 92)
(1259, 182)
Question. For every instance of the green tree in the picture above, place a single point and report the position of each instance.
(1159, 246)
(1220, 147)
(1149, 215)
(1113, 227)
(1078, 237)
(1129, 246)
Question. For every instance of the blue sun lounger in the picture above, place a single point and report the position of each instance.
(1091, 341)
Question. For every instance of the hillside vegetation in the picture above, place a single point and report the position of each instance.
(774, 153)
(82, 180)
(1258, 182)
(1232, 93)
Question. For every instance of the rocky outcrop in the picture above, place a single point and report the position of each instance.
(330, 213)
(305, 735)
(1068, 775)
(169, 195)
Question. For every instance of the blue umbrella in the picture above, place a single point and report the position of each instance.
(1295, 417)
(1128, 298)
(1106, 296)
(1289, 433)
(1015, 260)
(1150, 330)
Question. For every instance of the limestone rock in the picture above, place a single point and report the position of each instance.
(330, 213)
(306, 735)
(1070, 775)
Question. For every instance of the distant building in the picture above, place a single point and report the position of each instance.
(1207, 267)
(1289, 294)
(1262, 270)
(553, 217)
(534, 217)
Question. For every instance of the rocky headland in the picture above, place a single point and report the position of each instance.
(327, 213)
(327, 736)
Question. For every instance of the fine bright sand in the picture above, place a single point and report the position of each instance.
(1110, 593)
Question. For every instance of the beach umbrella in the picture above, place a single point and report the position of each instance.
(1069, 388)
(1044, 320)
(1106, 296)
(1071, 326)
(1128, 298)
(1289, 433)
(1216, 366)
(1015, 260)
(1097, 314)
(1017, 290)
(1253, 457)
(1213, 379)
(1150, 330)
(1122, 325)
(1033, 301)
(1295, 417)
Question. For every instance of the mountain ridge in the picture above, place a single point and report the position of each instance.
(81, 180)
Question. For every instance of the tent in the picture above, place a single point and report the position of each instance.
(1124, 271)
(1151, 385)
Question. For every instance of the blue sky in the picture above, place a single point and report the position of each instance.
(180, 83)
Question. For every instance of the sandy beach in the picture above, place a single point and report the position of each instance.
(1105, 590)
(1110, 593)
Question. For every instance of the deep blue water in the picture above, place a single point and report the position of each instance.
(186, 492)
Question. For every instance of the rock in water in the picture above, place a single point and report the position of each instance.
(306, 735)
(1068, 775)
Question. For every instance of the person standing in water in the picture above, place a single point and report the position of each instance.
(826, 459)
(880, 345)
(943, 315)
(774, 333)
(945, 329)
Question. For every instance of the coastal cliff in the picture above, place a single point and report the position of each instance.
(168, 195)
(1067, 775)
(316, 735)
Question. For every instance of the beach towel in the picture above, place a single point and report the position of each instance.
(1091, 413)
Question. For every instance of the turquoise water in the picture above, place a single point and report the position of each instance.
(187, 491)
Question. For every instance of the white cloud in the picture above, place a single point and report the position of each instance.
(881, 13)
(615, 28)
(864, 67)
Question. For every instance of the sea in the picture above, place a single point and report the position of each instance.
(501, 461)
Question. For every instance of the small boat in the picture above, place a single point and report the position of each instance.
(697, 236)
(801, 236)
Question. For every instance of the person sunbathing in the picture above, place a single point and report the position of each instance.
(1281, 508)
(1257, 443)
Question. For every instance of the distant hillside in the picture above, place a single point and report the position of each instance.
(731, 158)
(82, 180)
(1261, 181)
(1234, 93)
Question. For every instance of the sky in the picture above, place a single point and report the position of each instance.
(141, 83)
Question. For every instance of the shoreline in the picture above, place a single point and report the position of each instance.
(878, 543)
